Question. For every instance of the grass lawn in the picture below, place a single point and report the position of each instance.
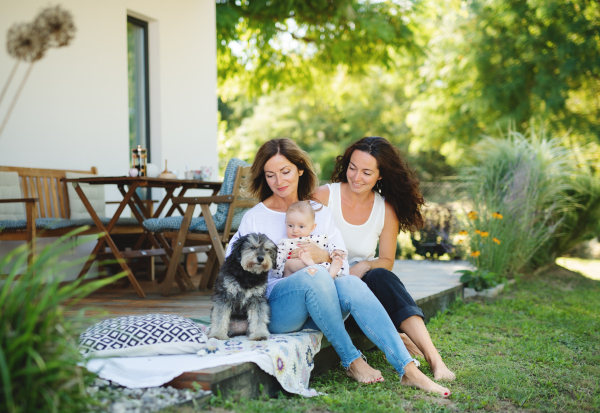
(534, 348)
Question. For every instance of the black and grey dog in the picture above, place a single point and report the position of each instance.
(241, 286)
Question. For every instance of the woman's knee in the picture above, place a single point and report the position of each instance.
(314, 277)
(381, 278)
(350, 287)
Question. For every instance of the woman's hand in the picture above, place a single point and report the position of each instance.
(317, 254)
(360, 268)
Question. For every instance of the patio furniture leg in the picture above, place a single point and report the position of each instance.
(185, 282)
(210, 263)
(213, 276)
(185, 225)
(109, 227)
(214, 234)
(167, 261)
(31, 215)
(109, 240)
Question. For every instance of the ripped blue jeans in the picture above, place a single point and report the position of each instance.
(311, 298)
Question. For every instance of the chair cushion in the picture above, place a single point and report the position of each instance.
(198, 224)
(57, 223)
(94, 193)
(137, 336)
(11, 188)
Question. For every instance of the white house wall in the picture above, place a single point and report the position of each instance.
(73, 111)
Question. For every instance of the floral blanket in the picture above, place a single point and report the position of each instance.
(292, 355)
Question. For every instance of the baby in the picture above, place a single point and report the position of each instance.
(300, 222)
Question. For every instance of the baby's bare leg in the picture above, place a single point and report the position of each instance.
(336, 265)
(291, 266)
(306, 258)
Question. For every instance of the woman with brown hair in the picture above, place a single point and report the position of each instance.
(282, 174)
(374, 196)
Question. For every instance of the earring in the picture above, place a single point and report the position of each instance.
(378, 186)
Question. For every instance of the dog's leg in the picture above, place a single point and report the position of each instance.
(219, 321)
(258, 320)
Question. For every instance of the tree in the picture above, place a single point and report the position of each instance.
(496, 61)
(264, 45)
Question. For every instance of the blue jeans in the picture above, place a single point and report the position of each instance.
(317, 301)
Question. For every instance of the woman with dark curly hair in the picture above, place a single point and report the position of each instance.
(374, 196)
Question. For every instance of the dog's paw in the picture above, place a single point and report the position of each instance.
(258, 337)
(221, 336)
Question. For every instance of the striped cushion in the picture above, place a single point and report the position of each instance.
(198, 224)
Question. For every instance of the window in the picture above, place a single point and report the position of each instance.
(137, 65)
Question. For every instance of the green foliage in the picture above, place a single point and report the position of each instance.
(38, 351)
(480, 279)
(526, 180)
(268, 45)
(582, 222)
(492, 62)
(337, 112)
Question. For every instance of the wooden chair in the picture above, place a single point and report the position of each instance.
(215, 234)
(48, 213)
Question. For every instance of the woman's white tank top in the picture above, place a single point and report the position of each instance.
(360, 240)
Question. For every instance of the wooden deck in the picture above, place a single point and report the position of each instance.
(433, 285)
(423, 279)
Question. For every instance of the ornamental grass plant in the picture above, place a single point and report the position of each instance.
(518, 192)
(39, 369)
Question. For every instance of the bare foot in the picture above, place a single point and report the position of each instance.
(414, 378)
(336, 266)
(411, 346)
(360, 371)
(441, 372)
(306, 258)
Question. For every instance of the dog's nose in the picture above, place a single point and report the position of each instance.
(260, 258)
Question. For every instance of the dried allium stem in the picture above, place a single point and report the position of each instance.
(12, 74)
(12, 105)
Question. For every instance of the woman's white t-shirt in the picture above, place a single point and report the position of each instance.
(361, 240)
(261, 219)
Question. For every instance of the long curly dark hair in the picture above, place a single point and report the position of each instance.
(398, 184)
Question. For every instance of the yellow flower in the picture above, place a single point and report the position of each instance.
(463, 233)
(478, 232)
(497, 215)
(472, 215)
(484, 234)
(475, 254)
(496, 240)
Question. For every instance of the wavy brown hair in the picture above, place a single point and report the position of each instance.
(257, 185)
(398, 184)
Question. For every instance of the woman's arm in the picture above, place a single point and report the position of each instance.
(387, 246)
(322, 194)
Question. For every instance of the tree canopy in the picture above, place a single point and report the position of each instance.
(270, 44)
(429, 76)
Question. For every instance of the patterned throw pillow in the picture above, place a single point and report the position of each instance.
(147, 335)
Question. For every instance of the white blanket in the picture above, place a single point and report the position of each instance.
(288, 357)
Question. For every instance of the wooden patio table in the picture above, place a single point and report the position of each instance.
(141, 213)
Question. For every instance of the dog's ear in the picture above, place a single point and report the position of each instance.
(236, 251)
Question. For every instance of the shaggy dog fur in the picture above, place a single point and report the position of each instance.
(240, 289)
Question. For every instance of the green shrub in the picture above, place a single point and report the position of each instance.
(38, 349)
(519, 194)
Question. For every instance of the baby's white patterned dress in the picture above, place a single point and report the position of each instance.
(286, 245)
